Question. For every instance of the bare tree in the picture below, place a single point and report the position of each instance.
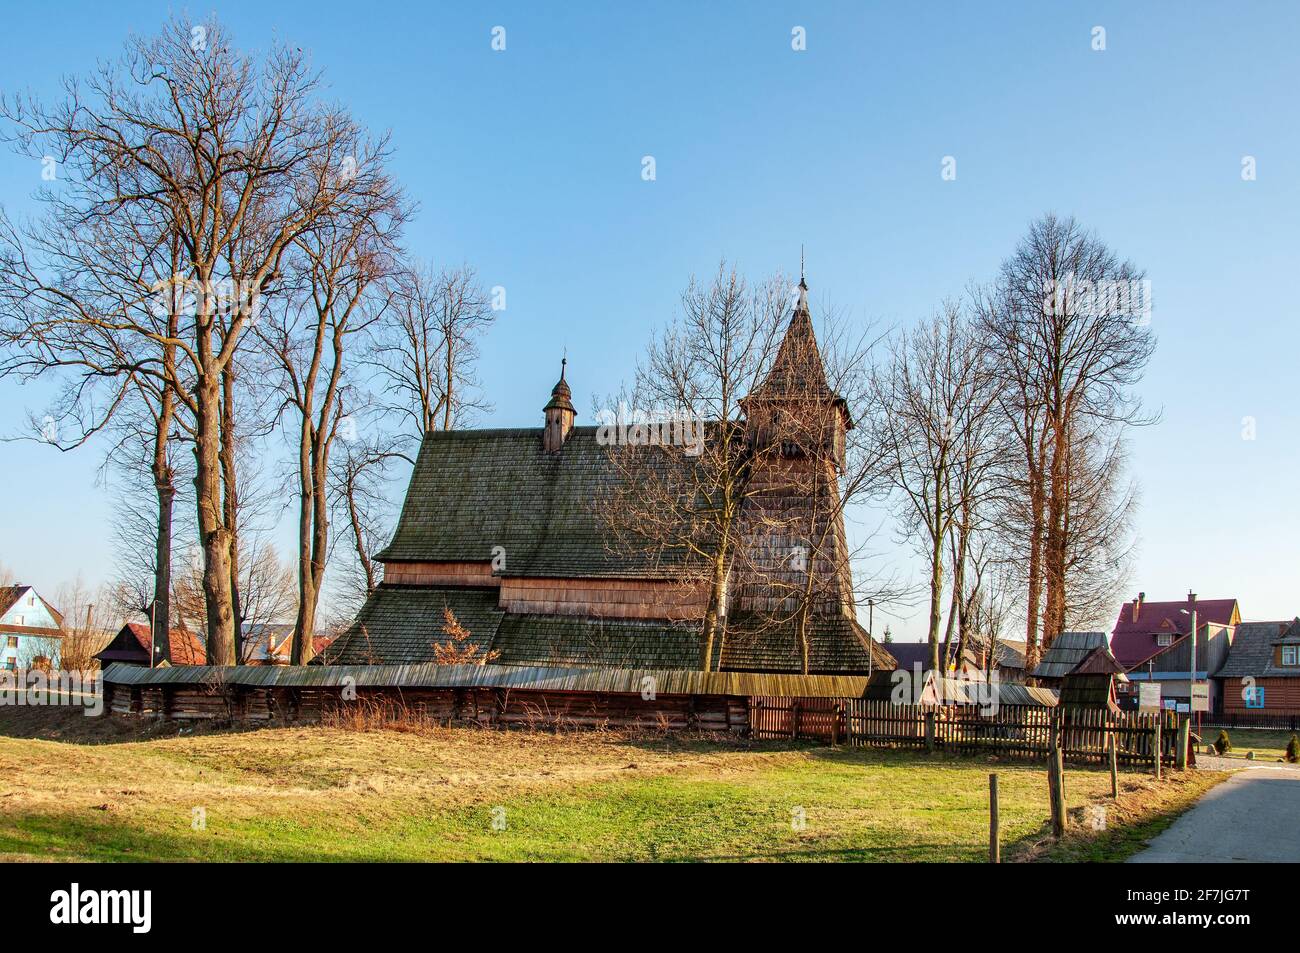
(185, 137)
(931, 402)
(359, 497)
(89, 622)
(426, 347)
(342, 259)
(685, 466)
(1067, 321)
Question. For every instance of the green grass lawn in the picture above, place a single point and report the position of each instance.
(1267, 745)
(72, 790)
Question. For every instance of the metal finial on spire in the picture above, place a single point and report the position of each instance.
(801, 281)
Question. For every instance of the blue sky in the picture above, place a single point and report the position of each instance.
(527, 164)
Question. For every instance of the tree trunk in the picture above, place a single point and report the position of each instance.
(305, 621)
(230, 506)
(936, 575)
(1055, 549)
(160, 615)
(160, 611)
(213, 534)
(717, 595)
(358, 539)
(805, 611)
(957, 602)
(1034, 596)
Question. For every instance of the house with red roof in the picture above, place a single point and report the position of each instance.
(133, 645)
(1151, 641)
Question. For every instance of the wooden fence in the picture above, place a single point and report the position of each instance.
(1010, 730)
(1251, 719)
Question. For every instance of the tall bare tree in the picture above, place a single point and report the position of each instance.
(190, 138)
(931, 403)
(1068, 321)
(341, 261)
(679, 496)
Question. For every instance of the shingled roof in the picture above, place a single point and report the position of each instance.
(1067, 650)
(1251, 654)
(473, 490)
(400, 624)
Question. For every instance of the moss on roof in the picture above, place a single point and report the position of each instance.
(475, 490)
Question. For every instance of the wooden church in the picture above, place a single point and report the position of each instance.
(500, 527)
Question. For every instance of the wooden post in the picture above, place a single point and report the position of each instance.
(929, 731)
(995, 848)
(1114, 767)
(1056, 778)
(794, 721)
(835, 726)
(1159, 741)
(1184, 742)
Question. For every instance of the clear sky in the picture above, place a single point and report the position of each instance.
(527, 164)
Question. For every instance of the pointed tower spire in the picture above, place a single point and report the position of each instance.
(559, 413)
(802, 306)
(796, 387)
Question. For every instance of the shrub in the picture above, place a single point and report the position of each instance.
(1293, 749)
(1223, 743)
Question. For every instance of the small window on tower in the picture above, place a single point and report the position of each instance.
(1291, 655)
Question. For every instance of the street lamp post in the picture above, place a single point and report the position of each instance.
(1191, 671)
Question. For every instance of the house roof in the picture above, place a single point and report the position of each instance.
(9, 596)
(267, 640)
(35, 631)
(1292, 635)
(475, 490)
(1134, 640)
(1010, 653)
(1067, 650)
(134, 640)
(907, 655)
(1251, 654)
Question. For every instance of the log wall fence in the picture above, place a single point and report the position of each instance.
(719, 703)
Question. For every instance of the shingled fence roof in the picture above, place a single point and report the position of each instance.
(428, 675)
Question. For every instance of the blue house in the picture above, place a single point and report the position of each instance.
(31, 630)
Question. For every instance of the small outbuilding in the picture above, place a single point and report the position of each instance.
(1066, 651)
(1093, 682)
(134, 642)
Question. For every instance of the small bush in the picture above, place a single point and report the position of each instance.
(1293, 749)
(1223, 743)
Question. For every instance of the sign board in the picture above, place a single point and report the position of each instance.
(1182, 708)
(1148, 696)
(1200, 697)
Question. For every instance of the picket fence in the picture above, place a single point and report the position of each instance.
(1010, 730)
